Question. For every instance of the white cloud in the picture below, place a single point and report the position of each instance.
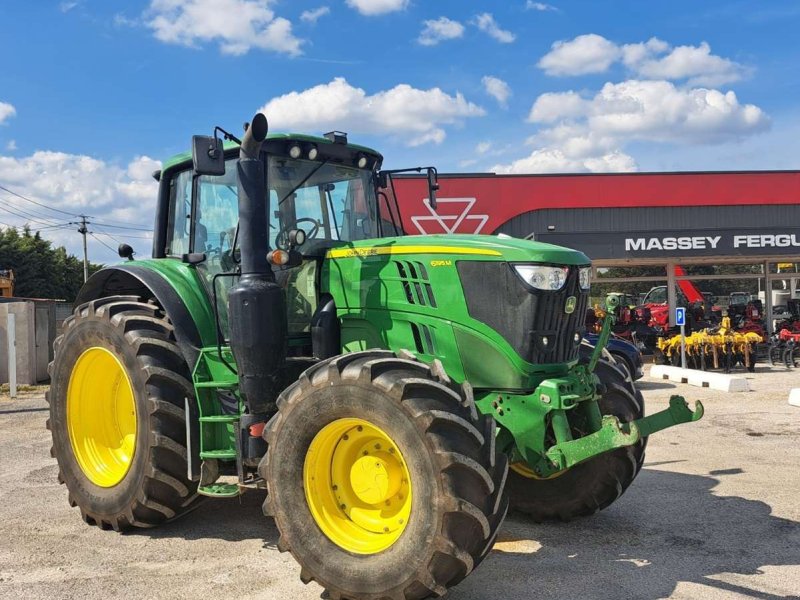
(555, 161)
(553, 106)
(540, 6)
(432, 136)
(312, 16)
(65, 7)
(11, 145)
(695, 63)
(588, 53)
(80, 184)
(497, 89)
(121, 20)
(416, 115)
(486, 23)
(590, 133)
(656, 111)
(6, 111)
(653, 59)
(438, 30)
(372, 8)
(237, 25)
(483, 147)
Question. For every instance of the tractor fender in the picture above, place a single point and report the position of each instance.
(147, 283)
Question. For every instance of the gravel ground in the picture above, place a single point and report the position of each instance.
(714, 514)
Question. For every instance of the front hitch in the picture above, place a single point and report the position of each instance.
(613, 434)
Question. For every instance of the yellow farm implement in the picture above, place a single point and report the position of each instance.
(721, 348)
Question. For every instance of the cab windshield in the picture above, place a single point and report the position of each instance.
(330, 202)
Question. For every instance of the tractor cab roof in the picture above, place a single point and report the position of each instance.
(185, 157)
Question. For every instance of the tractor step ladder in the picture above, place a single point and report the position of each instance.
(219, 408)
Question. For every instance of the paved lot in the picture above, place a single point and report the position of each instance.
(714, 514)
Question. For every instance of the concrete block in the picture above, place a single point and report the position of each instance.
(26, 341)
(794, 397)
(715, 381)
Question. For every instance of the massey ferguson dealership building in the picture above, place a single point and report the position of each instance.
(667, 219)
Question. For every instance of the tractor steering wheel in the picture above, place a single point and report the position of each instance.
(282, 239)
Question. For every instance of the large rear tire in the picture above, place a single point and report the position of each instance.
(595, 484)
(410, 539)
(118, 383)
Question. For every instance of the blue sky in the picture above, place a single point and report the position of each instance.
(93, 94)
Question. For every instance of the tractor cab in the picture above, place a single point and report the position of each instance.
(323, 193)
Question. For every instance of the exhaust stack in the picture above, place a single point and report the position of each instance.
(256, 304)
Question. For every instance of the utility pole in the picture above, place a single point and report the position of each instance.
(83, 231)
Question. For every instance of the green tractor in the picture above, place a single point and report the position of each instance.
(392, 393)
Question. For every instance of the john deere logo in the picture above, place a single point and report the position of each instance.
(569, 307)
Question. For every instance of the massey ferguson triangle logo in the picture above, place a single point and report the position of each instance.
(450, 223)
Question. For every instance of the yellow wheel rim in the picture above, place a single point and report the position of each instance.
(357, 486)
(101, 417)
(522, 468)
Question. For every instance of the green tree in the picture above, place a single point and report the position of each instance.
(40, 270)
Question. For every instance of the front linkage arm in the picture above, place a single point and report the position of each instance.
(525, 418)
(614, 434)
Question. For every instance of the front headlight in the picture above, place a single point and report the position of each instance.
(584, 276)
(543, 278)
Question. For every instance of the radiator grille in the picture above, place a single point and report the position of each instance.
(496, 296)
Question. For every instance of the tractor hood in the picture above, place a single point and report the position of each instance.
(476, 247)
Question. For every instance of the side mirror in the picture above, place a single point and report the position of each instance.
(207, 155)
(433, 186)
(125, 251)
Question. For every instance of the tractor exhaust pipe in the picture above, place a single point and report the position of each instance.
(256, 304)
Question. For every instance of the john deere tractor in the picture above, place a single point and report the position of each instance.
(286, 334)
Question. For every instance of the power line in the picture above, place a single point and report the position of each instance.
(108, 235)
(121, 226)
(21, 214)
(28, 212)
(102, 242)
(123, 235)
(54, 227)
(37, 203)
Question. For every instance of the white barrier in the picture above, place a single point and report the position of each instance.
(715, 381)
(794, 397)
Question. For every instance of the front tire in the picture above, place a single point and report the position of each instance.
(442, 501)
(118, 383)
(595, 484)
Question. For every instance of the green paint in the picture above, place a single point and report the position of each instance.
(220, 490)
(678, 412)
(218, 424)
(602, 341)
(187, 283)
(613, 434)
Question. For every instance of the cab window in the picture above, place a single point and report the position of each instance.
(330, 202)
(178, 221)
(216, 213)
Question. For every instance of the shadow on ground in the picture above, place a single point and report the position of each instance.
(230, 519)
(654, 385)
(668, 528)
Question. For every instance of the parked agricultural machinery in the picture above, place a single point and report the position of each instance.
(287, 335)
(713, 341)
